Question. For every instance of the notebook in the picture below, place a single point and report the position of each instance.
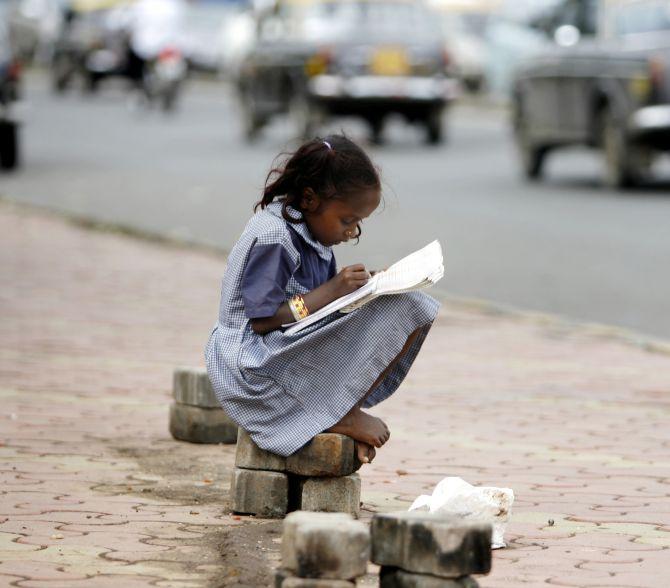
(417, 271)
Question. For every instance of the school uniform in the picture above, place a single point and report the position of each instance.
(285, 389)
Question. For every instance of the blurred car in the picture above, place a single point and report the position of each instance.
(9, 94)
(349, 57)
(611, 91)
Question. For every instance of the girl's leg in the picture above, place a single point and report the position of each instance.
(367, 430)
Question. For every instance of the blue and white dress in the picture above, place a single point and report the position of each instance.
(285, 389)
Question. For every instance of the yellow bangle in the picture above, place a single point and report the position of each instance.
(298, 307)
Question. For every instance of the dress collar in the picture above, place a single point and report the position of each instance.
(301, 228)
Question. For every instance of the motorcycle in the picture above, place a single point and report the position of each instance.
(163, 78)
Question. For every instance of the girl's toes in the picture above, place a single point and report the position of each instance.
(372, 453)
(363, 452)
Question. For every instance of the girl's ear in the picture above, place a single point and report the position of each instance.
(309, 200)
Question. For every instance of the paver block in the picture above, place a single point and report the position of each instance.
(190, 385)
(201, 425)
(258, 492)
(250, 456)
(327, 454)
(396, 578)
(315, 583)
(325, 545)
(280, 575)
(430, 543)
(341, 494)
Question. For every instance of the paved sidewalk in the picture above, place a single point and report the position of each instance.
(95, 493)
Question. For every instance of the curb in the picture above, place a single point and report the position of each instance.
(556, 322)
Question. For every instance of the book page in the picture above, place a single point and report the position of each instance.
(412, 270)
(418, 270)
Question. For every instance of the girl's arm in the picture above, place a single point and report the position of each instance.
(347, 280)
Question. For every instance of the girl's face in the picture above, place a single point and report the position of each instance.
(334, 221)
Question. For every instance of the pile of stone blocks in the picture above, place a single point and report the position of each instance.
(429, 550)
(322, 550)
(319, 477)
(195, 414)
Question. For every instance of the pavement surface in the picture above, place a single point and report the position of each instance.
(95, 493)
(566, 245)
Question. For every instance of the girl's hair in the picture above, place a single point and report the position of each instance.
(333, 167)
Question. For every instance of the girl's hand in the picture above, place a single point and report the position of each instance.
(350, 278)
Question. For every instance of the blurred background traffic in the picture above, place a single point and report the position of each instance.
(529, 136)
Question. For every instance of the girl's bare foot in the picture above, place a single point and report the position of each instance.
(363, 427)
(365, 453)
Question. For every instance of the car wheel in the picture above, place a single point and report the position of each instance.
(377, 130)
(9, 145)
(435, 126)
(624, 163)
(532, 155)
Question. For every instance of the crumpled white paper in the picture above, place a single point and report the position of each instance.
(455, 496)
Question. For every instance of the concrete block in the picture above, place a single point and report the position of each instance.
(191, 386)
(251, 457)
(327, 454)
(201, 425)
(264, 494)
(331, 494)
(325, 545)
(430, 543)
(293, 582)
(280, 575)
(396, 578)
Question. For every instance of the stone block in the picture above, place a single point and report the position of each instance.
(251, 457)
(191, 386)
(397, 578)
(280, 575)
(264, 494)
(327, 454)
(330, 494)
(293, 582)
(430, 543)
(201, 425)
(325, 545)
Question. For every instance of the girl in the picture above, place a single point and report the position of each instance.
(285, 389)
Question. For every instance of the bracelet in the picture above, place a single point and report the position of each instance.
(298, 307)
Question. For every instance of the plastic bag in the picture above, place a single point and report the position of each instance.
(455, 496)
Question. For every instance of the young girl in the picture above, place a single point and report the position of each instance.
(285, 389)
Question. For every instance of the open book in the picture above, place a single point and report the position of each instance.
(421, 269)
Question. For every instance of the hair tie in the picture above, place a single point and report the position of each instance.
(327, 144)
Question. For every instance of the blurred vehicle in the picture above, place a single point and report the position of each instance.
(557, 21)
(611, 91)
(464, 26)
(163, 77)
(90, 46)
(9, 93)
(34, 26)
(362, 58)
(512, 38)
(156, 62)
(205, 39)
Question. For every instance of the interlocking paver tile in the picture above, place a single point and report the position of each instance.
(94, 492)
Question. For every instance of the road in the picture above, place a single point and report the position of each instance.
(567, 245)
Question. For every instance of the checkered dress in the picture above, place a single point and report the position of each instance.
(285, 389)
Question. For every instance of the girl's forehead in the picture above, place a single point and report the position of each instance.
(362, 206)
